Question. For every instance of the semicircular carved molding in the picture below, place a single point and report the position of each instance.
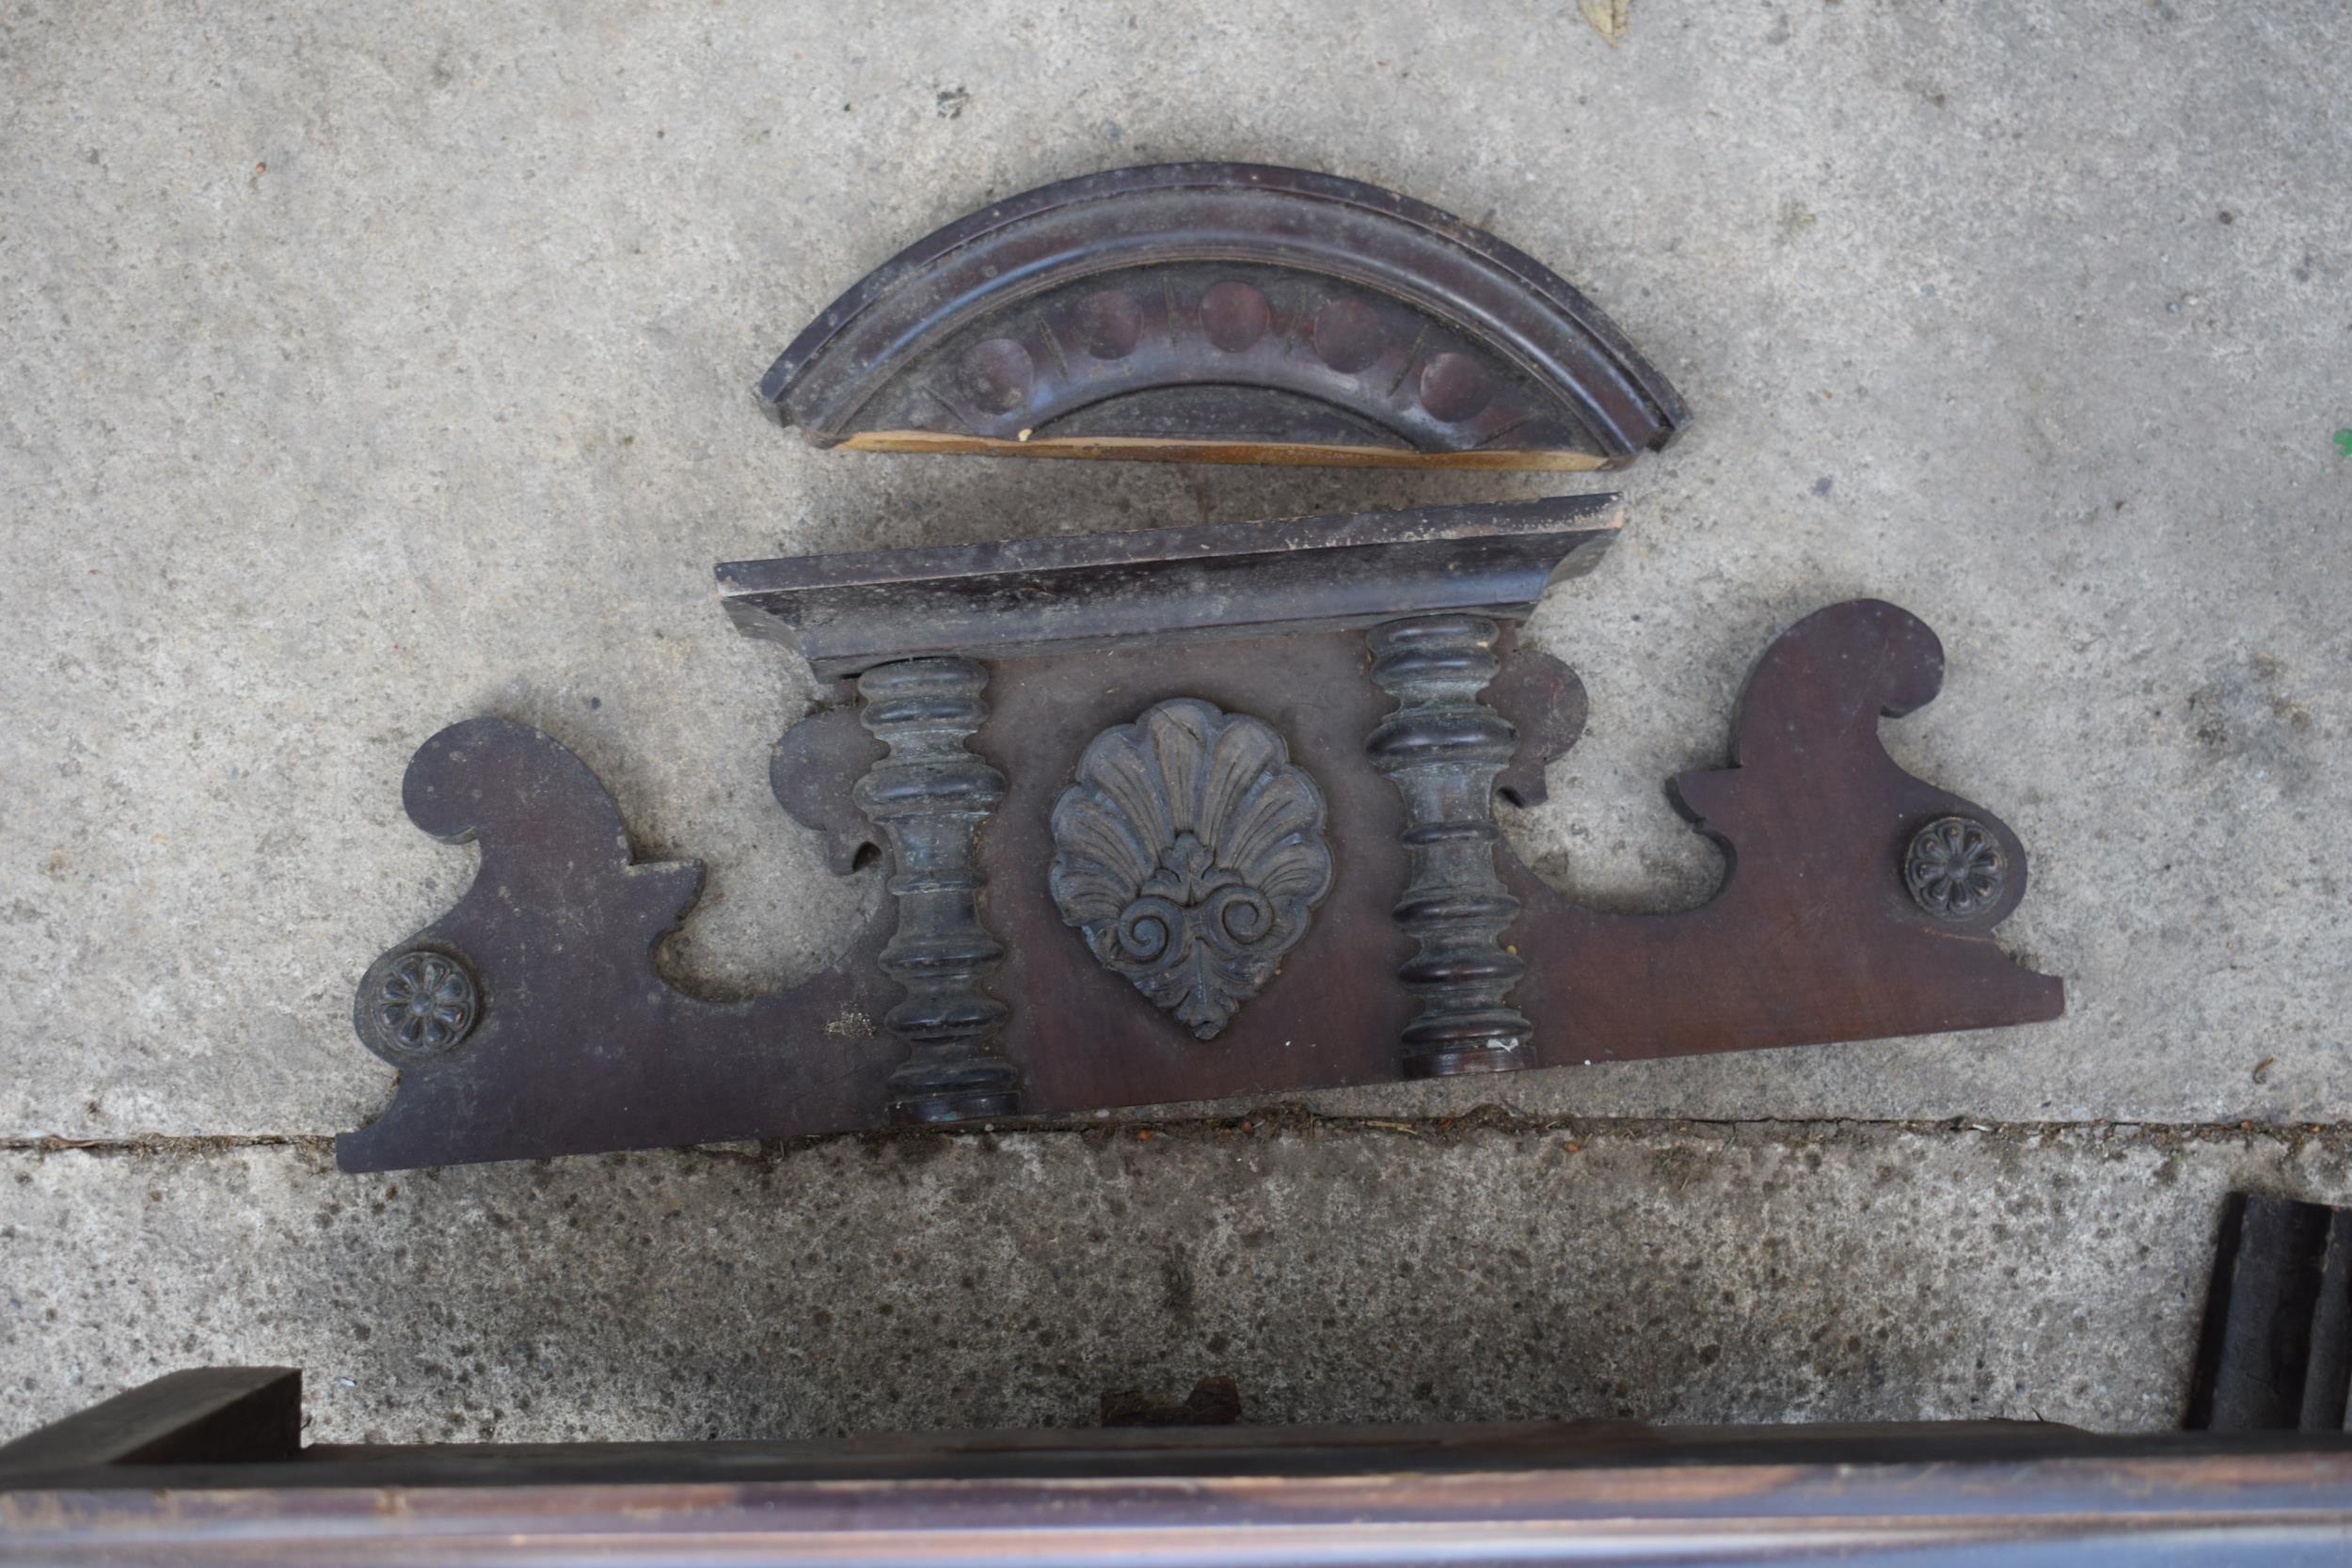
(1223, 312)
(1190, 851)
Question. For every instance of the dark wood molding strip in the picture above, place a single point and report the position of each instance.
(1532, 1492)
(209, 1415)
(847, 612)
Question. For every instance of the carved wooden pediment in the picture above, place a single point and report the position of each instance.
(1194, 812)
(1063, 742)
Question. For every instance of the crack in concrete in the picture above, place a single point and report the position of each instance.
(1278, 1119)
(166, 1143)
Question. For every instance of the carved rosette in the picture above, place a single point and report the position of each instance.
(930, 797)
(1955, 869)
(415, 1004)
(1442, 749)
(1190, 852)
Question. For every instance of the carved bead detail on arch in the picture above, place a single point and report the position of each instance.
(1955, 869)
(999, 374)
(1190, 852)
(1349, 336)
(1454, 387)
(1235, 316)
(1109, 324)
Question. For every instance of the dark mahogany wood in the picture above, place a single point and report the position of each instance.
(575, 1043)
(581, 1044)
(1223, 312)
(930, 797)
(1813, 936)
(209, 1415)
(1331, 1014)
(847, 612)
(1443, 749)
(1537, 1493)
(1379, 938)
(2276, 1349)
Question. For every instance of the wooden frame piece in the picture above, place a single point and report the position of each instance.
(1226, 313)
(1180, 815)
(1533, 1493)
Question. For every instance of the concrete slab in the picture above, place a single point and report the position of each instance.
(365, 377)
(367, 374)
(1670, 1274)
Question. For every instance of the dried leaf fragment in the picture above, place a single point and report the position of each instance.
(1610, 18)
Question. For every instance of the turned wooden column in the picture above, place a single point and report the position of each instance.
(1443, 748)
(929, 796)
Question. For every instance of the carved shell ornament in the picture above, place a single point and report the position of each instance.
(1190, 852)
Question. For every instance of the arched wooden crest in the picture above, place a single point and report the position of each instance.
(1223, 312)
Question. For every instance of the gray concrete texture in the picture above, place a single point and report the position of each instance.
(367, 370)
(1337, 1271)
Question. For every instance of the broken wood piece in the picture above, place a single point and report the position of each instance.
(1223, 313)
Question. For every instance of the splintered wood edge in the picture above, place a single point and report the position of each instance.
(1150, 449)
